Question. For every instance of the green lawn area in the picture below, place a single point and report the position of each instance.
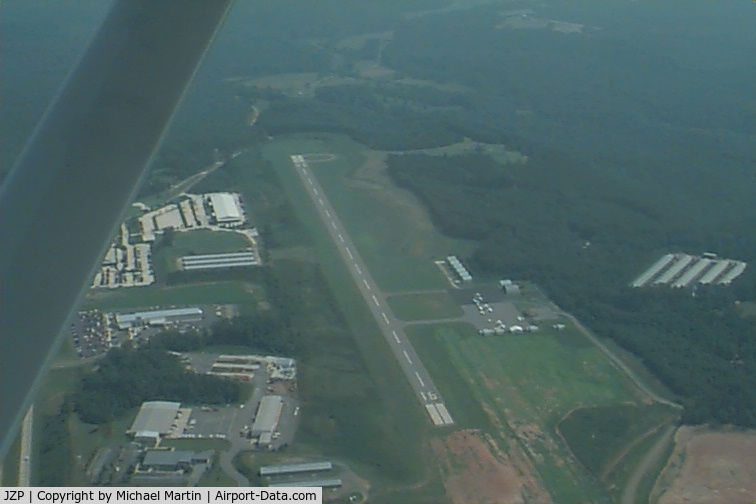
(599, 435)
(434, 305)
(204, 241)
(525, 383)
(392, 233)
(178, 295)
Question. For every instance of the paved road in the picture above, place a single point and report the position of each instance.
(24, 460)
(418, 377)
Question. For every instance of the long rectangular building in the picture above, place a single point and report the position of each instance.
(295, 468)
(127, 320)
(674, 270)
(268, 413)
(325, 483)
(714, 272)
(732, 274)
(692, 273)
(214, 261)
(653, 270)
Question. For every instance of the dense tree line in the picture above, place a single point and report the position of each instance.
(55, 449)
(584, 246)
(128, 376)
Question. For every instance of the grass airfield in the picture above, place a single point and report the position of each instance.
(517, 388)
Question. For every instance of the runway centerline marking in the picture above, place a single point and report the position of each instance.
(406, 356)
(419, 380)
(385, 317)
(396, 337)
(366, 284)
(341, 237)
(375, 300)
(357, 267)
(349, 252)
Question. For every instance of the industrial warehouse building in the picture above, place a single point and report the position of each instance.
(214, 261)
(154, 420)
(227, 209)
(266, 419)
(158, 317)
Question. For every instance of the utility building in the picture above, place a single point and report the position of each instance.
(268, 413)
(154, 420)
(158, 317)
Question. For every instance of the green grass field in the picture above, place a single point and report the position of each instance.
(204, 241)
(393, 234)
(526, 384)
(426, 306)
(598, 436)
(179, 295)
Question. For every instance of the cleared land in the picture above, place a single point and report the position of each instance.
(525, 384)
(516, 388)
(432, 305)
(709, 467)
(203, 293)
(400, 246)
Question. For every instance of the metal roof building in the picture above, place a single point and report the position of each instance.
(732, 274)
(167, 458)
(295, 468)
(267, 415)
(212, 261)
(653, 270)
(126, 320)
(226, 207)
(326, 483)
(714, 272)
(680, 264)
(155, 416)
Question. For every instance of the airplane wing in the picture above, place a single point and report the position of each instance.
(64, 198)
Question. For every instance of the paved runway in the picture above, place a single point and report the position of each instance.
(413, 369)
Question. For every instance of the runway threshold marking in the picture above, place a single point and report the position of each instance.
(433, 412)
(445, 416)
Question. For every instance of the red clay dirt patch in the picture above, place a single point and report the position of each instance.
(709, 467)
(476, 472)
